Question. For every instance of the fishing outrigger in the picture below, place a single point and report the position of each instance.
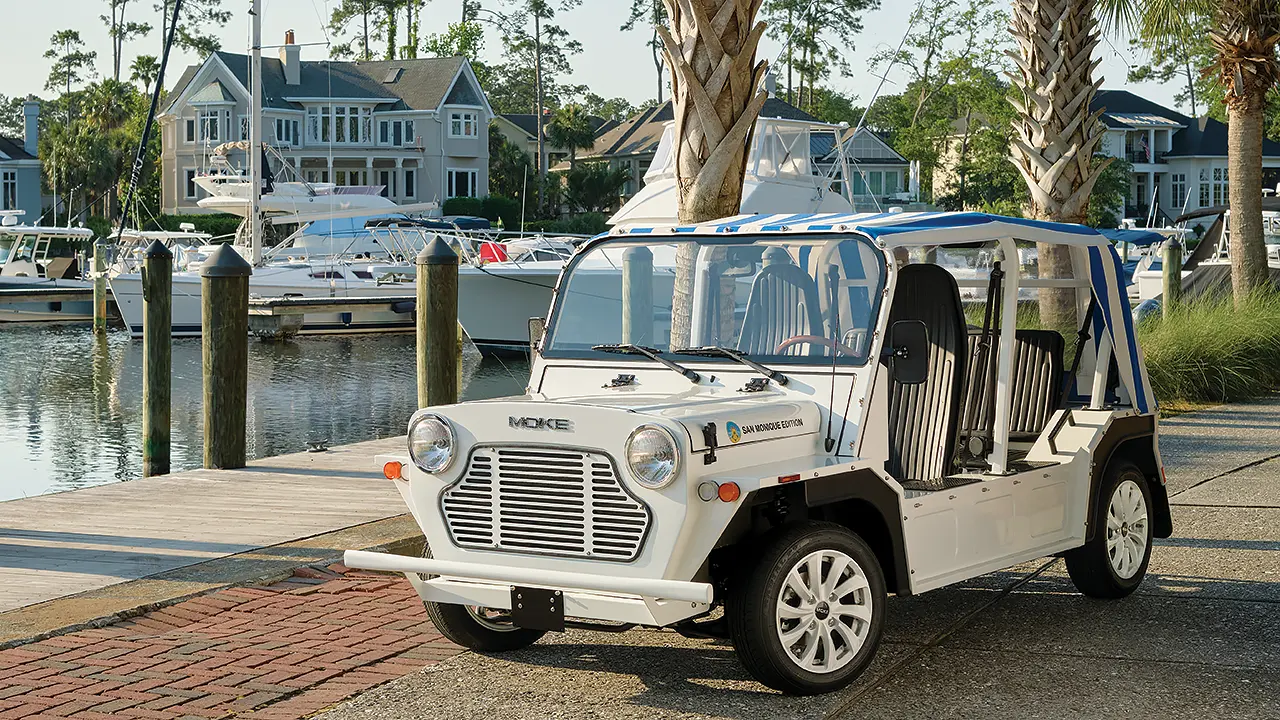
(759, 427)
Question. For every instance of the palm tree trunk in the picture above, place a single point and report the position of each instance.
(1244, 168)
(1055, 133)
(717, 92)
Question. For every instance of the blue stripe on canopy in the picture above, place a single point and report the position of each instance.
(1137, 238)
(934, 221)
(1105, 272)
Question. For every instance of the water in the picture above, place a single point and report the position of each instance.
(71, 403)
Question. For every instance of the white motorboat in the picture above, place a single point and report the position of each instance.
(36, 256)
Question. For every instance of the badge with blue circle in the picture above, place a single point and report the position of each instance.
(735, 432)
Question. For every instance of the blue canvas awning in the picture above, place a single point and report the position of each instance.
(1137, 238)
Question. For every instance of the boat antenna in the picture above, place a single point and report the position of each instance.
(136, 171)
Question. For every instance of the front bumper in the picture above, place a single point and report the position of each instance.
(640, 601)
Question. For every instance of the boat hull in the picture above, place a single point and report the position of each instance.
(45, 312)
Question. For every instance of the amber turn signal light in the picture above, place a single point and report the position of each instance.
(392, 470)
(729, 491)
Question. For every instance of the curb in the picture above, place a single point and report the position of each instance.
(261, 566)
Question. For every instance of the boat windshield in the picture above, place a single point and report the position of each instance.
(6, 247)
(777, 299)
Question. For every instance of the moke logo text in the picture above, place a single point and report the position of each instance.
(537, 423)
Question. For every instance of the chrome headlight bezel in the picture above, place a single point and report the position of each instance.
(440, 466)
(671, 475)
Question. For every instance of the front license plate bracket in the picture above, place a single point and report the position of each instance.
(537, 608)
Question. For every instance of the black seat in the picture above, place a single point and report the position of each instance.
(924, 418)
(783, 304)
(1036, 378)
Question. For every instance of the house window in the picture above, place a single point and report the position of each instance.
(891, 186)
(408, 132)
(340, 127)
(190, 135)
(384, 132)
(875, 179)
(209, 122)
(191, 188)
(463, 124)
(462, 183)
(1178, 185)
(397, 138)
(353, 125)
(9, 190)
(410, 184)
(1220, 194)
(244, 127)
(366, 125)
(1204, 188)
(313, 124)
(387, 179)
(284, 135)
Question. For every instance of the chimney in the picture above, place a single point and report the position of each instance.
(31, 133)
(771, 83)
(291, 59)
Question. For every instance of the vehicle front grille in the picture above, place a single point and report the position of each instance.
(543, 500)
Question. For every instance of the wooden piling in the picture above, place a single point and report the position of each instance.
(1172, 276)
(437, 309)
(224, 321)
(99, 288)
(157, 357)
(637, 296)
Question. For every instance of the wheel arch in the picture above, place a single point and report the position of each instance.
(1131, 439)
(862, 502)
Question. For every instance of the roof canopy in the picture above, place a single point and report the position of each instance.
(899, 229)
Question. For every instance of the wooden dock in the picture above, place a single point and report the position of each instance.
(53, 546)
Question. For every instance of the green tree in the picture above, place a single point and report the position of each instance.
(594, 186)
(570, 129)
(510, 167)
(12, 122)
(201, 21)
(344, 15)
(121, 31)
(652, 13)
(465, 39)
(1109, 193)
(616, 109)
(816, 37)
(144, 70)
(71, 62)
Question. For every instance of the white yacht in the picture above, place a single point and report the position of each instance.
(37, 256)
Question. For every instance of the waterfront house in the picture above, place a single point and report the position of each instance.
(521, 129)
(1178, 160)
(416, 127)
(20, 167)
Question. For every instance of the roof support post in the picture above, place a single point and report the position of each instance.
(1004, 360)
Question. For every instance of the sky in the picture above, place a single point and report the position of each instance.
(613, 63)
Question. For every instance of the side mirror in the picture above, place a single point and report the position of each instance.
(537, 328)
(908, 352)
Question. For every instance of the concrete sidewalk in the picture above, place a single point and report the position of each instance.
(1200, 639)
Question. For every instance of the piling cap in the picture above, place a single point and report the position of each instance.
(437, 252)
(157, 250)
(225, 262)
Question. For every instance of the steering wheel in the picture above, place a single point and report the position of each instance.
(815, 340)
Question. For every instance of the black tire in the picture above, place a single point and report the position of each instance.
(752, 604)
(457, 623)
(461, 625)
(1090, 566)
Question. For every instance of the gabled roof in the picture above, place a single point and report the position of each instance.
(1124, 110)
(1211, 142)
(420, 84)
(12, 149)
(640, 134)
(528, 122)
(212, 93)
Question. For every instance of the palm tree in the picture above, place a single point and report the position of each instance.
(1055, 134)
(1244, 33)
(570, 129)
(716, 92)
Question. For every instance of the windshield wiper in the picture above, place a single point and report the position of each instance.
(737, 356)
(650, 353)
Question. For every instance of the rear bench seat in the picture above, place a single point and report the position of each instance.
(1036, 380)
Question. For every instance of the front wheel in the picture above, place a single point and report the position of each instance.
(1113, 563)
(808, 616)
(478, 628)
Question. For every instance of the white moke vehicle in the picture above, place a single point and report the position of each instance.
(758, 428)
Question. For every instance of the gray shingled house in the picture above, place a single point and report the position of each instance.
(20, 167)
(417, 127)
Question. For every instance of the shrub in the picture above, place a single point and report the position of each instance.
(216, 225)
(497, 207)
(1210, 351)
(463, 206)
(583, 224)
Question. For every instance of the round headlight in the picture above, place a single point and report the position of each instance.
(653, 456)
(431, 442)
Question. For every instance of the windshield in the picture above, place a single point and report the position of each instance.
(779, 299)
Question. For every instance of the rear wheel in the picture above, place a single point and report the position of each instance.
(1113, 563)
(808, 616)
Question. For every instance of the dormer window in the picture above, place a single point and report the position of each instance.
(464, 123)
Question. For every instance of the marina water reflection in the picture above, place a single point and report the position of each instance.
(71, 402)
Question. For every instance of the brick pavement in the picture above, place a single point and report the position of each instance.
(275, 652)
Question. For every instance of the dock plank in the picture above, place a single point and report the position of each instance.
(56, 545)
